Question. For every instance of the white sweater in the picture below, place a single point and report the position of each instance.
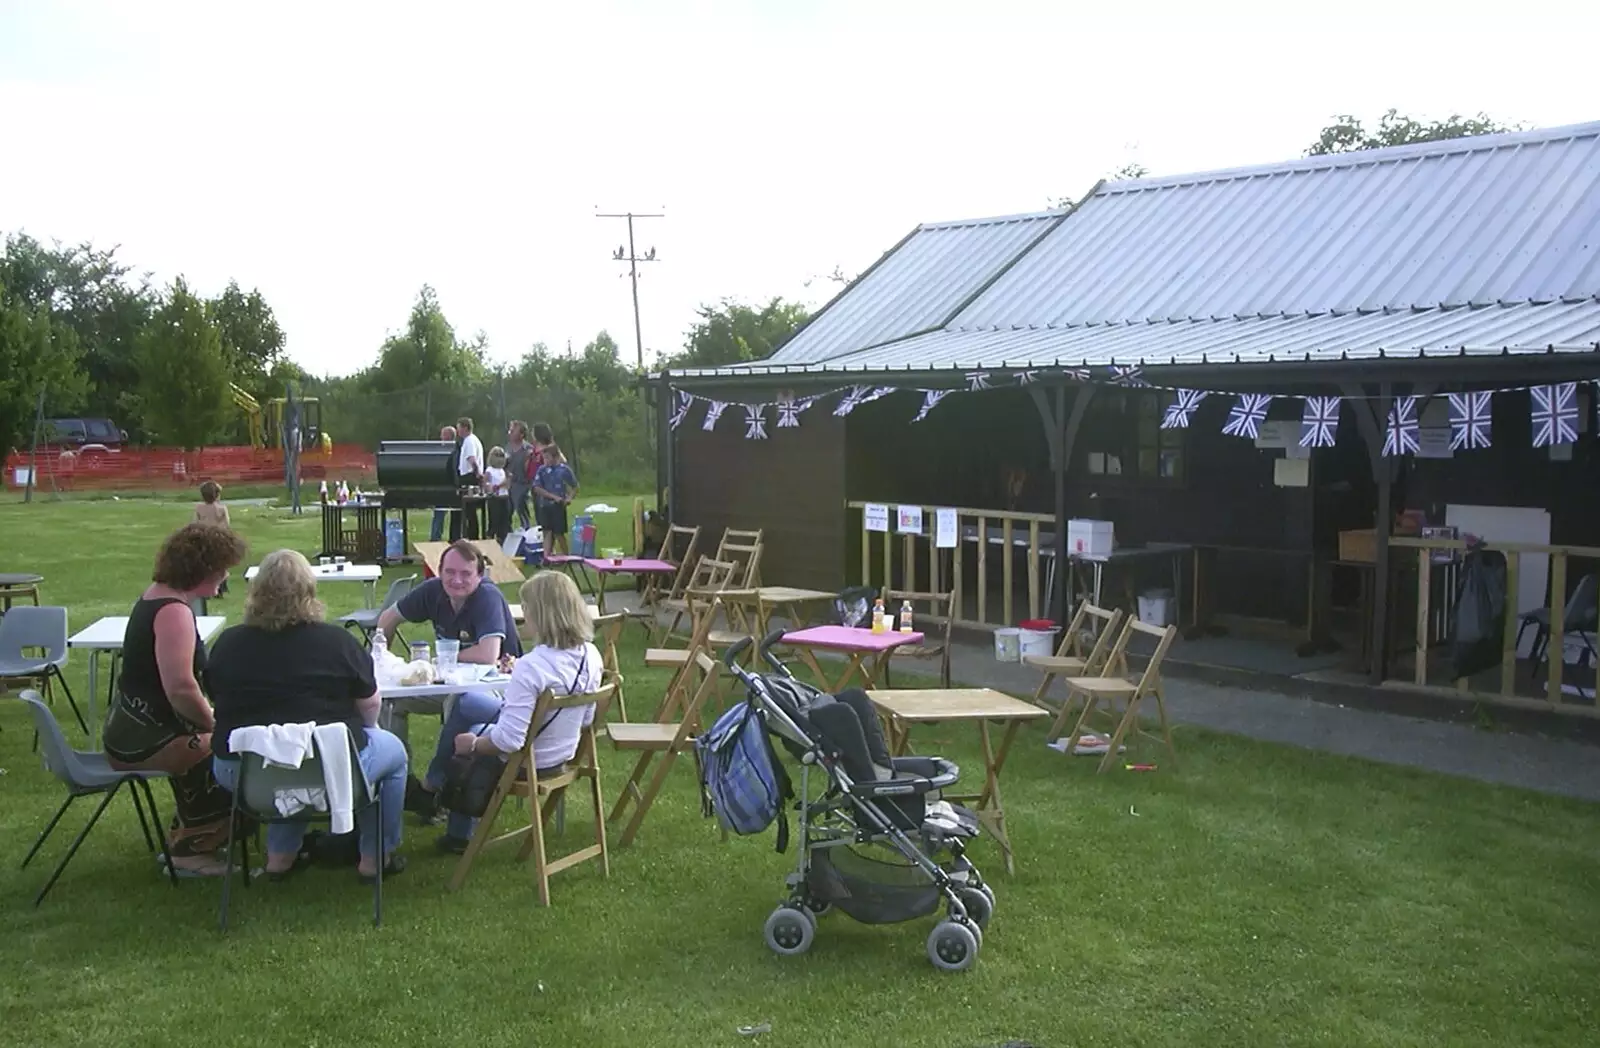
(557, 670)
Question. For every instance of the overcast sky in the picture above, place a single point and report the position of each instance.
(339, 155)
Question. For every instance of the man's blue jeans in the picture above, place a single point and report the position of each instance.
(383, 758)
(474, 711)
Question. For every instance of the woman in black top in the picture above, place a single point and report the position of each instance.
(285, 665)
(160, 719)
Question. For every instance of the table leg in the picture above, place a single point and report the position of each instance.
(600, 595)
(989, 807)
(809, 657)
(371, 587)
(94, 693)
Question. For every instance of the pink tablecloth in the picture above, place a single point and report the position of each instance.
(849, 638)
(630, 565)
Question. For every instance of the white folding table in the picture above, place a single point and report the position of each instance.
(106, 635)
(364, 573)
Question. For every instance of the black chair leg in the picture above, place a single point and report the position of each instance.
(155, 823)
(76, 843)
(138, 809)
(227, 871)
(55, 671)
(47, 830)
(383, 860)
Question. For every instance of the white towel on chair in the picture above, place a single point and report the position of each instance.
(280, 745)
(337, 775)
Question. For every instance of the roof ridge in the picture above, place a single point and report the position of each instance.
(996, 220)
(1361, 157)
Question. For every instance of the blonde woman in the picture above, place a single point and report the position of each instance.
(285, 665)
(562, 657)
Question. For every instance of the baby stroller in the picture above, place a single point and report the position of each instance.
(878, 844)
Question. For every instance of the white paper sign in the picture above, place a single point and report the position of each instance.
(1433, 442)
(1279, 433)
(944, 529)
(910, 520)
(875, 516)
(22, 474)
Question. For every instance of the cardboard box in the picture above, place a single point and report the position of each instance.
(1090, 539)
(1359, 545)
(502, 569)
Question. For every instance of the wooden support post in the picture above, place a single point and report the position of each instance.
(955, 565)
(1424, 590)
(1061, 433)
(1508, 646)
(1373, 421)
(1033, 569)
(866, 551)
(888, 559)
(1558, 611)
(908, 562)
(983, 569)
(1007, 618)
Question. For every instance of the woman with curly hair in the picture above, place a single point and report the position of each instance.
(159, 719)
(285, 665)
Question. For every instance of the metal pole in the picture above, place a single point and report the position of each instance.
(33, 452)
(633, 278)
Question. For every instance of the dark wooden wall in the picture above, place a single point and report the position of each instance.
(791, 485)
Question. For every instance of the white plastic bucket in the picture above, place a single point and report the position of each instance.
(1039, 642)
(1155, 608)
(1008, 645)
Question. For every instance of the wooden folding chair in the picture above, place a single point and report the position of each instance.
(1072, 657)
(938, 605)
(664, 738)
(1113, 689)
(607, 630)
(711, 575)
(542, 793)
(681, 661)
(685, 560)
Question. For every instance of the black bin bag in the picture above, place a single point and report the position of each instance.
(1478, 630)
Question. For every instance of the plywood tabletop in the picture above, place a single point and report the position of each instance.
(953, 704)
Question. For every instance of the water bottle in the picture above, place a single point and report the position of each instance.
(380, 649)
(905, 617)
(878, 624)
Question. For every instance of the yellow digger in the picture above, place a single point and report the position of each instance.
(266, 427)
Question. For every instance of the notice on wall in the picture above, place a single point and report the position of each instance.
(875, 517)
(21, 476)
(910, 520)
(1433, 442)
(945, 533)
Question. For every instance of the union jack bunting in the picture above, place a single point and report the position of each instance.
(1027, 378)
(1076, 374)
(789, 412)
(1469, 420)
(1247, 414)
(1401, 435)
(1555, 414)
(1177, 416)
(853, 398)
(755, 421)
(1319, 426)
(714, 410)
(930, 400)
(977, 380)
(1131, 375)
(682, 402)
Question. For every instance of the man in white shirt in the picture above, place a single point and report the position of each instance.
(469, 470)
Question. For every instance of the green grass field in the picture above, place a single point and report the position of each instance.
(1257, 895)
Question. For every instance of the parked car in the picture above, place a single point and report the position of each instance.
(85, 433)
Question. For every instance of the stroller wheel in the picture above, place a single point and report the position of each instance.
(789, 931)
(952, 947)
(819, 909)
(979, 904)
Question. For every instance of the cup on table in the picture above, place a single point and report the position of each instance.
(324, 561)
(419, 651)
(445, 654)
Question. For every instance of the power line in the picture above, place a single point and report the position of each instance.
(631, 256)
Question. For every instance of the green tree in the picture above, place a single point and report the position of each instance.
(428, 351)
(184, 372)
(732, 333)
(93, 293)
(35, 353)
(250, 336)
(1347, 134)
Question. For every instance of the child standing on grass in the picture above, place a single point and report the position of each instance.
(554, 486)
(210, 510)
(498, 488)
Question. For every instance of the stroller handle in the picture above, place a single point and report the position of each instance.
(772, 638)
(730, 658)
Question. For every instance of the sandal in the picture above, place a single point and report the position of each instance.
(392, 866)
(301, 861)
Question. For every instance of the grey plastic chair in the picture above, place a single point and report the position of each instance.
(254, 797)
(366, 619)
(25, 627)
(1583, 607)
(87, 774)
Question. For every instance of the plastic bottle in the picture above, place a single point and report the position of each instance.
(878, 624)
(380, 650)
(905, 617)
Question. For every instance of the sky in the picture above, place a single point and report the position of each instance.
(340, 155)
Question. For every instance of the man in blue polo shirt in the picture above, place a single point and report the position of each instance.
(462, 606)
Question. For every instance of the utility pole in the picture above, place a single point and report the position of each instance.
(633, 258)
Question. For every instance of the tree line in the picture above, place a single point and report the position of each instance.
(102, 340)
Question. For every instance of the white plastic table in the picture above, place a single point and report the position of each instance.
(364, 573)
(106, 635)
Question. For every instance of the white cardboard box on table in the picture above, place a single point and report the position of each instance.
(1091, 539)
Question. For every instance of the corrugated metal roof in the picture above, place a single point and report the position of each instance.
(916, 287)
(1495, 219)
(1561, 327)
